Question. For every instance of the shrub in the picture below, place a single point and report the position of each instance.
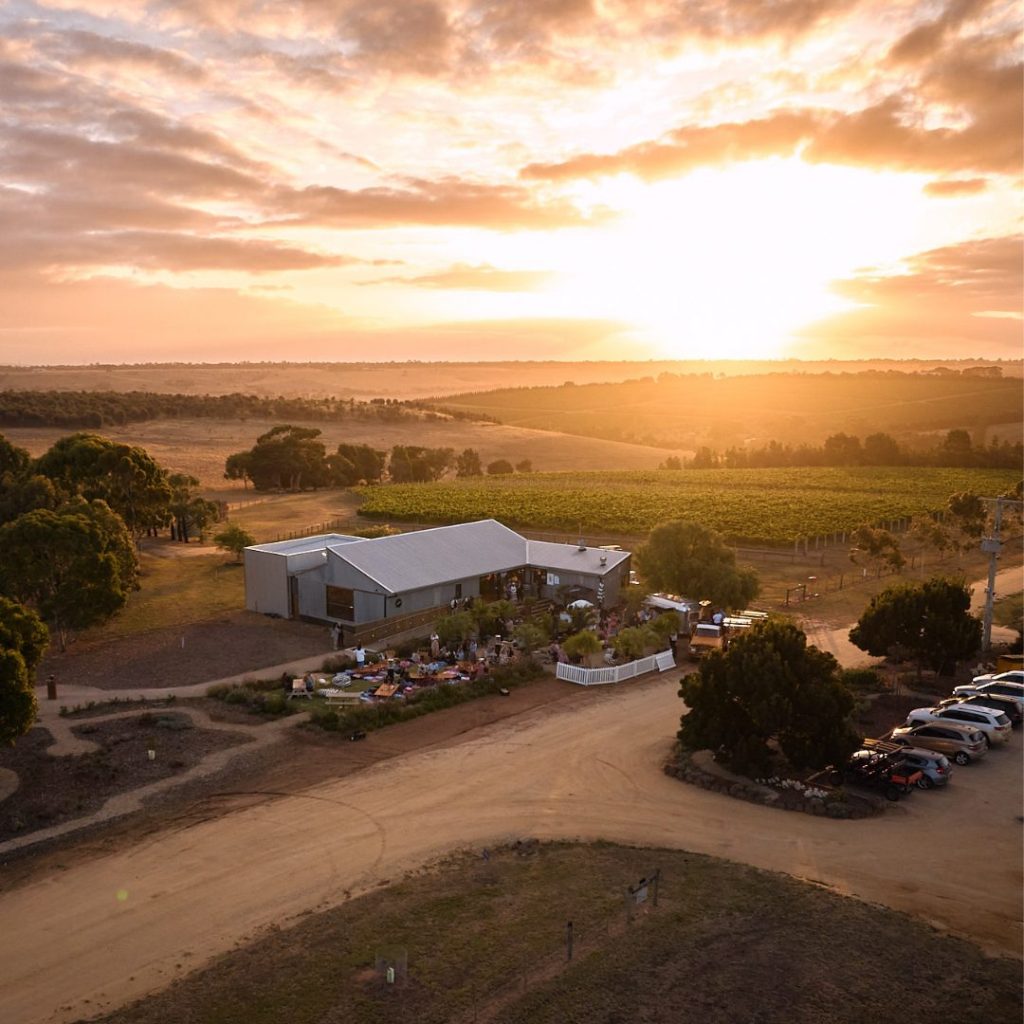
(861, 680)
(275, 704)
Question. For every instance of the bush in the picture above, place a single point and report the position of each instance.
(239, 695)
(275, 704)
(862, 680)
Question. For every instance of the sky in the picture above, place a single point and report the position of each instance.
(218, 180)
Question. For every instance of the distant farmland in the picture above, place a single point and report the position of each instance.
(753, 506)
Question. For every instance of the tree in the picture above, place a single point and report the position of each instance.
(234, 539)
(411, 464)
(285, 457)
(124, 476)
(468, 463)
(500, 467)
(75, 567)
(524, 466)
(239, 467)
(456, 628)
(966, 518)
(930, 622)
(686, 558)
(882, 450)
(769, 689)
(530, 636)
(191, 513)
(704, 458)
(23, 640)
(633, 642)
(842, 450)
(582, 644)
(878, 548)
(491, 617)
(355, 463)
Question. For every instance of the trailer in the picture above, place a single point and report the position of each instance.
(878, 765)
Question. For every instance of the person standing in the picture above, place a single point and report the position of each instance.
(360, 656)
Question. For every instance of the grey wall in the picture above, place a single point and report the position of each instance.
(266, 582)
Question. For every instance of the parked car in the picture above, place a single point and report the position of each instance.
(1013, 676)
(962, 743)
(1004, 687)
(934, 767)
(997, 702)
(993, 725)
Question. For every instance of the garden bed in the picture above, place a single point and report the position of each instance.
(786, 794)
(53, 790)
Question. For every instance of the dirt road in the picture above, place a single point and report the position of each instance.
(114, 927)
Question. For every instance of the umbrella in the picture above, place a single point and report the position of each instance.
(580, 604)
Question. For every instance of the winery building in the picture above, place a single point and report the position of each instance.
(357, 581)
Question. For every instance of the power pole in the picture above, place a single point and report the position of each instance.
(992, 545)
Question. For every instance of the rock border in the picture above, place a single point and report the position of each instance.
(683, 768)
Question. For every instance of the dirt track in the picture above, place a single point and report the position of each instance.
(152, 911)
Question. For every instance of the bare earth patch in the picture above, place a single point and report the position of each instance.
(192, 653)
(56, 789)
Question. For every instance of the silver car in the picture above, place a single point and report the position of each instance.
(962, 743)
(993, 725)
(934, 767)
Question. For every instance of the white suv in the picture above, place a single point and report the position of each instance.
(993, 725)
(1005, 685)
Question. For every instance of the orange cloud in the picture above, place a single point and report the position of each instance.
(950, 187)
(476, 278)
(957, 298)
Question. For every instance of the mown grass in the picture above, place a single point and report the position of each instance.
(485, 939)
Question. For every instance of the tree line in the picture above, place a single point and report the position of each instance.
(293, 458)
(956, 450)
(94, 409)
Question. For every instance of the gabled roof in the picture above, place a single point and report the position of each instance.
(409, 561)
(301, 545)
(543, 554)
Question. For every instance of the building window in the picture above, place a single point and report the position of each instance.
(341, 603)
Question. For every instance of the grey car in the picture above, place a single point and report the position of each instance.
(934, 767)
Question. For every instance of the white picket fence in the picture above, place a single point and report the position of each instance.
(615, 673)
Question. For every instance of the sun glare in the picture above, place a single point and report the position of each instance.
(728, 263)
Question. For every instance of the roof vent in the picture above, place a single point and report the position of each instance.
(581, 546)
(604, 559)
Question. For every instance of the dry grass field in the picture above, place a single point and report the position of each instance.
(486, 941)
(199, 447)
(397, 380)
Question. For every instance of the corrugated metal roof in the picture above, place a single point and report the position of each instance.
(409, 561)
(300, 545)
(544, 554)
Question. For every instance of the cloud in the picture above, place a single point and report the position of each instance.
(926, 39)
(482, 277)
(687, 148)
(953, 187)
(964, 297)
(448, 201)
(82, 49)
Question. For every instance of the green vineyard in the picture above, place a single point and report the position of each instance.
(755, 506)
